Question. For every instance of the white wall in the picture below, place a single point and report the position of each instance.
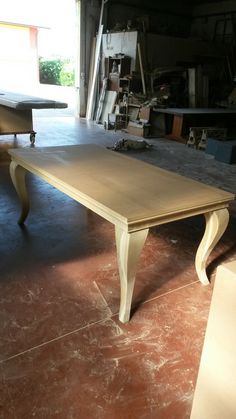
(18, 58)
(120, 42)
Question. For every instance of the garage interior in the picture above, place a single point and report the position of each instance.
(64, 352)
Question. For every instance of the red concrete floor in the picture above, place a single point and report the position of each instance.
(63, 352)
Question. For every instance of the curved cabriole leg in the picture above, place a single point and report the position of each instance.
(216, 223)
(129, 247)
(18, 178)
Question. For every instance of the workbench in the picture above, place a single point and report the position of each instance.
(16, 112)
(130, 194)
(179, 120)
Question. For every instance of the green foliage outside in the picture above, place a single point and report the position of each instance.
(59, 72)
(67, 75)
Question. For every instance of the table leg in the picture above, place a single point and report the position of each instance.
(216, 223)
(129, 247)
(177, 127)
(18, 178)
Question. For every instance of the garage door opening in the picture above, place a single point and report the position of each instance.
(39, 49)
(57, 52)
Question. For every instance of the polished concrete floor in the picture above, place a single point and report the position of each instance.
(64, 354)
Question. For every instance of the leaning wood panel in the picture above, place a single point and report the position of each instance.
(215, 394)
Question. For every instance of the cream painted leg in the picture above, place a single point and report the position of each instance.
(18, 178)
(216, 223)
(129, 247)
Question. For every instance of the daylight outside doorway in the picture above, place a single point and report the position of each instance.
(40, 49)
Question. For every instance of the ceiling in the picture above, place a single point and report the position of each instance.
(177, 7)
(161, 3)
(207, 1)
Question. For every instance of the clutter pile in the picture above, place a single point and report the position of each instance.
(128, 144)
(127, 99)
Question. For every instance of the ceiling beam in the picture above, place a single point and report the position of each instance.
(169, 8)
(215, 9)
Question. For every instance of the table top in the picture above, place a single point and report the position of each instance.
(23, 102)
(196, 111)
(123, 190)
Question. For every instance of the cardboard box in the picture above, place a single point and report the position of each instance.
(138, 129)
(144, 114)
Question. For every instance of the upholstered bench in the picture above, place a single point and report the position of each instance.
(16, 112)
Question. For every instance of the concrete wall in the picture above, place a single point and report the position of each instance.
(162, 50)
(157, 50)
(205, 18)
(151, 19)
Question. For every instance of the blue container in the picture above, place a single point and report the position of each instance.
(212, 145)
(226, 152)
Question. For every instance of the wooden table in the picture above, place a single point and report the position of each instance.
(131, 194)
(184, 118)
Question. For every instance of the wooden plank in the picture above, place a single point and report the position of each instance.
(108, 105)
(92, 92)
(192, 87)
(91, 71)
(101, 100)
(141, 69)
(91, 99)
